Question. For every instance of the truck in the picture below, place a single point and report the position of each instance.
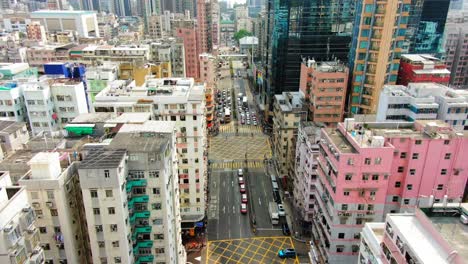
(244, 101)
(274, 214)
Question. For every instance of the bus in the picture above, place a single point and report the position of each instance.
(227, 115)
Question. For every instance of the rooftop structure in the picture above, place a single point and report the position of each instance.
(84, 22)
(422, 68)
(424, 101)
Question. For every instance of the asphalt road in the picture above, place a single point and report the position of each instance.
(225, 220)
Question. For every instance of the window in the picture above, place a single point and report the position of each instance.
(443, 172)
(111, 210)
(115, 243)
(344, 207)
(109, 193)
(158, 236)
(378, 161)
(348, 177)
(50, 195)
(156, 206)
(360, 207)
(365, 177)
(106, 174)
(96, 211)
(440, 187)
(53, 212)
(367, 161)
(397, 184)
(341, 235)
(375, 177)
(42, 229)
(447, 156)
(339, 249)
(346, 193)
(113, 228)
(34, 195)
(117, 259)
(395, 199)
(98, 228)
(157, 191)
(412, 171)
(406, 201)
(409, 187)
(154, 174)
(101, 244)
(157, 221)
(403, 155)
(446, 142)
(418, 142)
(159, 250)
(415, 156)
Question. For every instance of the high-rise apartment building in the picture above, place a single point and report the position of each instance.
(182, 101)
(320, 30)
(366, 170)
(83, 22)
(35, 31)
(55, 196)
(456, 37)
(376, 50)
(422, 68)
(324, 85)
(169, 50)
(419, 101)
(189, 36)
(208, 18)
(131, 196)
(20, 236)
(254, 7)
(288, 110)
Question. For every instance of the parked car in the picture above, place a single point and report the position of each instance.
(242, 188)
(244, 198)
(276, 196)
(281, 211)
(243, 208)
(240, 172)
(285, 229)
(287, 253)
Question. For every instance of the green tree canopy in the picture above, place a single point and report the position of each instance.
(241, 33)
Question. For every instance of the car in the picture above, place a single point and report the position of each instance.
(276, 196)
(242, 121)
(243, 208)
(285, 229)
(248, 122)
(242, 188)
(281, 211)
(255, 123)
(240, 172)
(241, 180)
(244, 198)
(287, 253)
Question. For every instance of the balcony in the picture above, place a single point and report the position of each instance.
(145, 259)
(144, 215)
(136, 183)
(144, 244)
(141, 230)
(138, 199)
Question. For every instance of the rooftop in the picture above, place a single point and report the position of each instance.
(10, 126)
(99, 158)
(326, 66)
(340, 141)
(91, 118)
(12, 68)
(423, 58)
(454, 232)
(59, 13)
(249, 40)
(141, 141)
(289, 101)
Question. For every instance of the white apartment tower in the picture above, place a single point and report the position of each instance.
(131, 197)
(19, 237)
(182, 101)
(56, 199)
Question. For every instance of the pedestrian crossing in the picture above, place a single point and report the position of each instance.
(237, 165)
(242, 129)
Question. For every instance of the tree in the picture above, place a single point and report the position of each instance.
(241, 33)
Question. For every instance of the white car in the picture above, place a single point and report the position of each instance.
(240, 172)
(281, 211)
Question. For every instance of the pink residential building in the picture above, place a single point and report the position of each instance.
(207, 69)
(366, 170)
(189, 36)
(324, 87)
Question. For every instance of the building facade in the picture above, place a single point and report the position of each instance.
(424, 101)
(83, 22)
(182, 101)
(324, 86)
(17, 221)
(288, 112)
(56, 199)
(376, 51)
(366, 170)
(422, 68)
(169, 50)
(456, 36)
(191, 48)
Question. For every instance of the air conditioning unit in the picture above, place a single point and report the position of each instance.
(26, 209)
(360, 215)
(50, 204)
(31, 230)
(36, 205)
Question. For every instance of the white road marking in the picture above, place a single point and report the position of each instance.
(224, 209)
(259, 201)
(232, 184)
